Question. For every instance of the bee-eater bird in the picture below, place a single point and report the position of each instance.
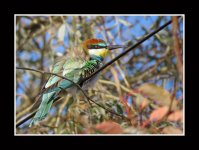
(75, 69)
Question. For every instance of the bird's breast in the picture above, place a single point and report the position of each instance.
(88, 83)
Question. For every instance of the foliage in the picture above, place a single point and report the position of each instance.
(144, 86)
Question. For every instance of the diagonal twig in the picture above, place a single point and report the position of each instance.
(129, 49)
(31, 115)
(77, 85)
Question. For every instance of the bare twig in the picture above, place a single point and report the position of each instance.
(88, 98)
(26, 118)
(177, 49)
(31, 115)
(114, 84)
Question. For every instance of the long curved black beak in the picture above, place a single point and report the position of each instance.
(111, 47)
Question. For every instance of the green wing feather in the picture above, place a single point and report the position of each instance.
(71, 69)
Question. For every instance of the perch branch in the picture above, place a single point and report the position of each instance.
(129, 49)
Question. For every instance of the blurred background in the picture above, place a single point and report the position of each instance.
(145, 86)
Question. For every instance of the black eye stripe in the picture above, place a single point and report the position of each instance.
(95, 47)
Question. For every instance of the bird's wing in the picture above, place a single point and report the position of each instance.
(51, 82)
(57, 68)
(70, 68)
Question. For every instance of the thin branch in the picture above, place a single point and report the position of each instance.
(177, 49)
(30, 115)
(122, 86)
(129, 49)
(88, 98)
(26, 118)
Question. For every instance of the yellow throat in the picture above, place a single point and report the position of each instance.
(99, 52)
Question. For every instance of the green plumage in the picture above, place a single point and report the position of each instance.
(74, 69)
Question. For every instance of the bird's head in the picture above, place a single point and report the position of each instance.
(98, 47)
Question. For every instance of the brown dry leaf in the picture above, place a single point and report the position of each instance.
(141, 101)
(84, 120)
(109, 127)
(144, 104)
(176, 116)
(171, 130)
(158, 113)
(157, 93)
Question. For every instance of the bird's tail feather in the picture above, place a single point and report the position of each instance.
(44, 108)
